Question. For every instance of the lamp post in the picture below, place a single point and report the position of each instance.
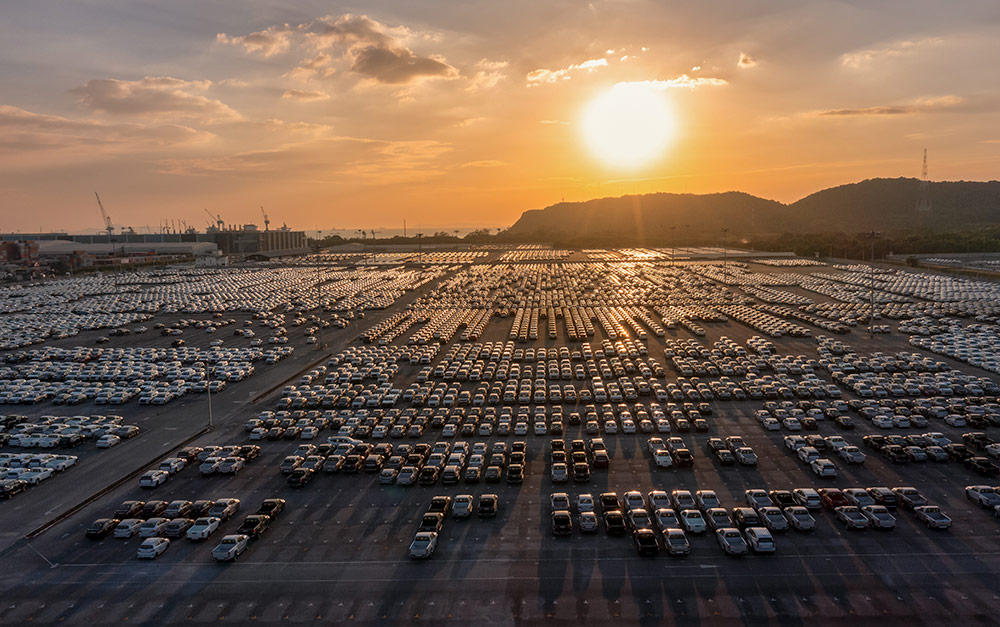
(208, 388)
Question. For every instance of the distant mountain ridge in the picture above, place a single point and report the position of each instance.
(873, 204)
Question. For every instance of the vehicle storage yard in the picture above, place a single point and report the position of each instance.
(558, 350)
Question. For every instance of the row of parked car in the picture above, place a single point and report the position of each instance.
(682, 512)
(159, 522)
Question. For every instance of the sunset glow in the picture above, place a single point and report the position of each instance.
(628, 126)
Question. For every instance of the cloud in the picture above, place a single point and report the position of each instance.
(746, 61)
(542, 76)
(267, 42)
(923, 105)
(305, 95)
(488, 74)
(372, 49)
(22, 130)
(153, 97)
(681, 82)
(559, 122)
(864, 58)
(331, 158)
(398, 65)
(311, 68)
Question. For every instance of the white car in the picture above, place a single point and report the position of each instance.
(693, 521)
(231, 547)
(108, 440)
(151, 547)
(128, 527)
(153, 527)
(662, 458)
(852, 455)
(983, 495)
(153, 478)
(665, 519)
(760, 540)
(731, 541)
(423, 544)
(173, 465)
(799, 518)
(879, 516)
(823, 467)
(34, 476)
(559, 502)
(588, 522)
(585, 503)
(203, 528)
(61, 462)
(835, 442)
(706, 499)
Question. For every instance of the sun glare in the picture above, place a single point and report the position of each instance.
(628, 126)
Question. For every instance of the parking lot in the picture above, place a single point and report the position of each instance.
(339, 550)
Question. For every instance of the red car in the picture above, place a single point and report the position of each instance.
(832, 498)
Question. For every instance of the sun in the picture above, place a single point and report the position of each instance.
(629, 125)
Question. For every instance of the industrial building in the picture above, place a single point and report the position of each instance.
(244, 240)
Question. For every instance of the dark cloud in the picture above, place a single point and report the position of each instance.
(26, 130)
(153, 96)
(398, 65)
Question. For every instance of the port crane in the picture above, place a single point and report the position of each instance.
(267, 221)
(216, 218)
(104, 214)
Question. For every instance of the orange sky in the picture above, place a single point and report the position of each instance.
(465, 114)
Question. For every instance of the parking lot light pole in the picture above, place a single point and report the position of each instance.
(208, 388)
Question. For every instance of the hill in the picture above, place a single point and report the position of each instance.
(874, 204)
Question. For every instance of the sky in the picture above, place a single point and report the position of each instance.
(464, 114)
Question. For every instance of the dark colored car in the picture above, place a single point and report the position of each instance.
(884, 496)
(683, 457)
(101, 528)
(271, 507)
(299, 477)
(178, 527)
(129, 509)
(745, 517)
(432, 521)
(895, 454)
(428, 475)
(581, 472)
(645, 542)
(982, 466)
(153, 508)
(201, 508)
(614, 523)
(515, 473)
(782, 498)
(562, 523)
(254, 525)
(488, 505)
(610, 502)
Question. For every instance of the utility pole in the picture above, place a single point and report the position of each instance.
(208, 387)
